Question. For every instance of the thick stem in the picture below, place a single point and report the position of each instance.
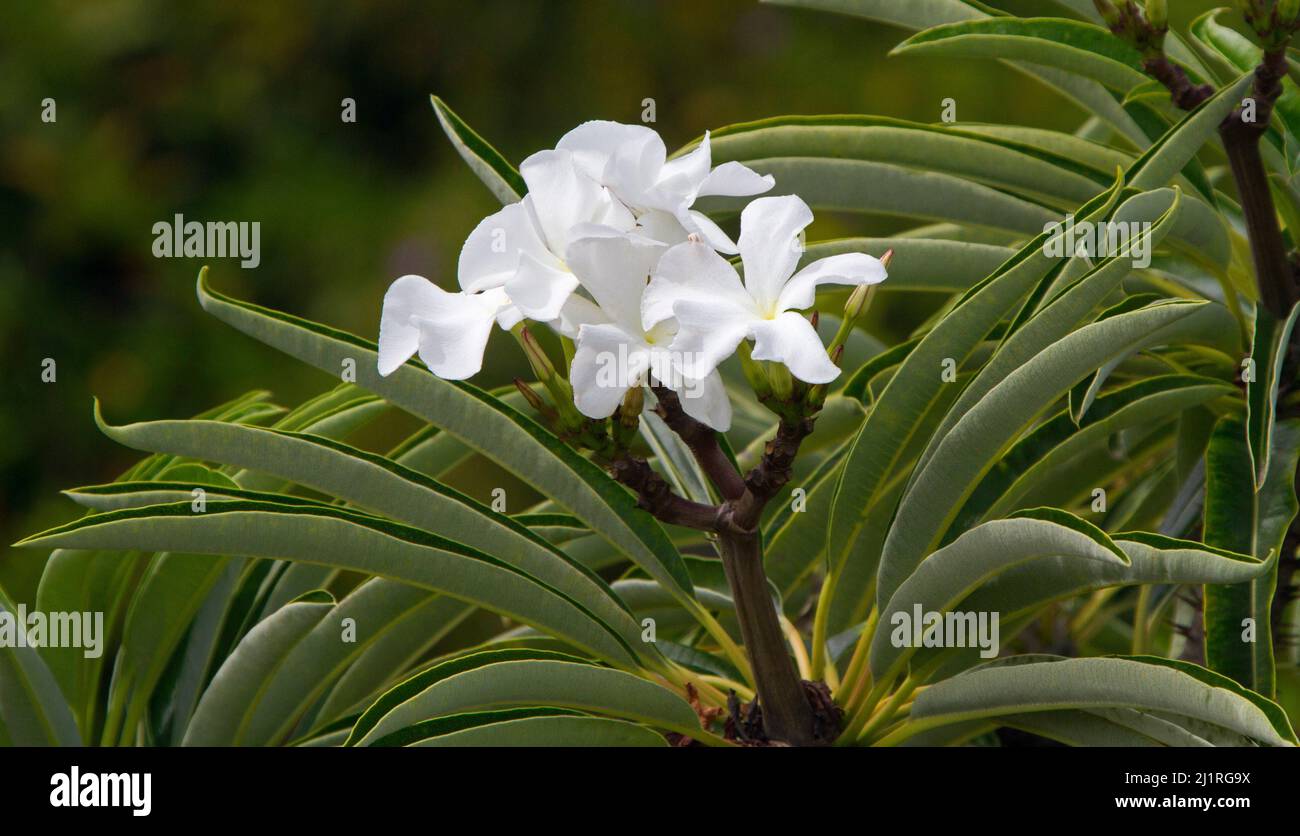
(787, 715)
(1273, 270)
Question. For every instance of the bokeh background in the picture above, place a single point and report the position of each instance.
(230, 111)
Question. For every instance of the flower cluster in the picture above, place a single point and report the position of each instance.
(608, 249)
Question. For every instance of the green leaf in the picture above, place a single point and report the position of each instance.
(1229, 523)
(1022, 590)
(995, 691)
(862, 186)
(379, 485)
(1069, 308)
(1037, 459)
(497, 174)
(999, 163)
(895, 418)
(1075, 47)
(33, 711)
(348, 540)
(946, 577)
(483, 423)
(1268, 356)
(976, 441)
(219, 718)
(913, 14)
(539, 682)
(920, 264)
(550, 731)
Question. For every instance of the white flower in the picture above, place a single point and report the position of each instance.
(614, 352)
(714, 311)
(631, 160)
(511, 267)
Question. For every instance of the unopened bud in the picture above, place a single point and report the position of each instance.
(782, 382)
(1288, 11)
(1158, 14)
(537, 359)
(754, 372)
(534, 399)
(629, 412)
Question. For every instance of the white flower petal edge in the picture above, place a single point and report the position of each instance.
(631, 160)
(714, 311)
(521, 248)
(614, 352)
(449, 330)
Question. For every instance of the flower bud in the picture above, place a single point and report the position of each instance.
(782, 382)
(754, 372)
(1288, 11)
(555, 383)
(1158, 14)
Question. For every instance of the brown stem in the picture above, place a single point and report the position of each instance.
(787, 715)
(655, 495)
(703, 443)
(1273, 271)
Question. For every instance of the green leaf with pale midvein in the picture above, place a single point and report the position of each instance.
(944, 578)
(1271, 343)
(502, 434)
(33, 711)
(1067, 310)
(995, 691)
(542, 682)
(988, 429)
(346, 539)
(497, 174)
(1022, 590)
(1073, 46)
(380, 485)
(240, 679)
(550, 731)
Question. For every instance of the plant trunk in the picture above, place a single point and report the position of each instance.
(787, 715)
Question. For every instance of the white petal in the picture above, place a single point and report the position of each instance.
(707, 334)
(693, 272)
(703, 225)
(454, 333)
(791, 339)
(577, 312)
(661, 226)
(491, 252)
(706, 400)
(608, 362)
(634, 169)
(561, 196)
(594, 143)
(735, 180)
(540, 290)
(684, 175)
(614, 268)
(769, 244)
(399, 337)
(846, 268)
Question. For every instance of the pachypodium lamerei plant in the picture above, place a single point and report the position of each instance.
(1065, 504)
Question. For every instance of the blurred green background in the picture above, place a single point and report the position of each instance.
(230, 111)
